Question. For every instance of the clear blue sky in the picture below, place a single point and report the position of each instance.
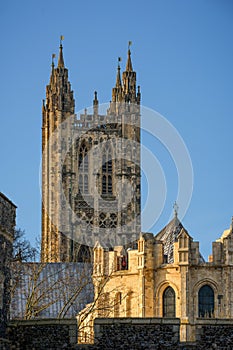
(183, 54)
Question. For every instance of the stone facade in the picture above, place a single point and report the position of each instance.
(88, 163)
(146, 282)
(7, 225)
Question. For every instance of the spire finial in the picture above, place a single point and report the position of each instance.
(61, 39)
(52, 73)
(118, 79)
(176, 208)
(95, 101)
(61, 60)
(53, 56)
(129, 66)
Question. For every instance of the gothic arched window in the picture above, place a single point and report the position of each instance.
(104, 184)
(80, 182)
(85, 184)
(107, 171)
(104, 166)
(169, 302)
(83, 168)
(205, 301)
(83, 158)
(109, 184)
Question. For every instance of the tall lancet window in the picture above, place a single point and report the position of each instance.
(169, 303)
(107, 170)
(83, 169)
(206, 301)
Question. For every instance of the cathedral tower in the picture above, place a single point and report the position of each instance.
(58, 106)
(91, 171)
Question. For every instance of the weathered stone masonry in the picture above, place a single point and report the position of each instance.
(86, 167)
(7, 224)
(43, 334)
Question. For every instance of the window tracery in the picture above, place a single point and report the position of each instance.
(83, 169)
(107, 171)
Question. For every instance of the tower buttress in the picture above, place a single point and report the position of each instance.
(129, 83)
(125, 107)
(117, 90)
(59, 105)
(61, 59)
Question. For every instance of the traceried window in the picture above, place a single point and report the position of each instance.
(85, 183)
(107, 220)
(83, 169)
(169, 306)
(206, 301)
(107, 171)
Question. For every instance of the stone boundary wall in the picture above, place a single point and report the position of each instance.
(159, 333)
(43, 334)
(135, 333)
(118, 333)
(214, 334)
(5, 344)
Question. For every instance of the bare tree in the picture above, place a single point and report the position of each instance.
(50, 289)
(22, 248)
(103, 305)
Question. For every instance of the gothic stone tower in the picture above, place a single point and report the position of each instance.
(90, 169)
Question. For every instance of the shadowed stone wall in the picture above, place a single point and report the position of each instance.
(7, 225)
(135, 333)
(159, 333)
(214, 334)
(43, 334)
(118, 333)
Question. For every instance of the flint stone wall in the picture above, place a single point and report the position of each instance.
(158, 333)
(121, 333)
(52, 334)
(135, 333)
(214, 334)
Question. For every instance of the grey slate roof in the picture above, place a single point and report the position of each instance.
(168, 235)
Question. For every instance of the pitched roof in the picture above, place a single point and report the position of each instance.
(168, 235)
